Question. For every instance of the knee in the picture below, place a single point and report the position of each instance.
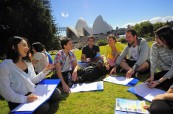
(156, 109)
(43, 109)
(56, 96)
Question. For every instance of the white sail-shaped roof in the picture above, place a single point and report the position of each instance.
(101, 26)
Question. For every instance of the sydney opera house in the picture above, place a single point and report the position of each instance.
(100, 27)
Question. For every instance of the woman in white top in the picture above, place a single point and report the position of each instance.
(18, 79)
(40, 59)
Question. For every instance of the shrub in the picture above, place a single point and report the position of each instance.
(101, 42)
(122, 40)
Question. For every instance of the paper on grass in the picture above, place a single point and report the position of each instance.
(118, 79)
(147, 93)
(87, 87)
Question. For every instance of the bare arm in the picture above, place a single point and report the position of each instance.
(167, 96)
(74, 74)
(83, 57)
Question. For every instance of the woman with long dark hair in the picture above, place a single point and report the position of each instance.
(18, 78)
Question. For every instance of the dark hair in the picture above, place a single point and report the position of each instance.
(165, 34)
(91, 37)
(133, 32)
(111, 36)
(38, 46)
(64, 41)
(13, 51)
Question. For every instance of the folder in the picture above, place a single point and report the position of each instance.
(148, 93)
(121, 80)
(84, 87)
(45, 88)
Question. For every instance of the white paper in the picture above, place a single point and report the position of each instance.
(43, 91)
(118, 80)
(87, 87)
(147, 93)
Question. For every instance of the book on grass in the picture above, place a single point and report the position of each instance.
(143, 91)
(128, 106)
(43, 90)
(83, 87)
(121, 80)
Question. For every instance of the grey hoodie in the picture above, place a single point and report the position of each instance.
(143, 54)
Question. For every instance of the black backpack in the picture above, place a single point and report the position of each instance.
(91, 73)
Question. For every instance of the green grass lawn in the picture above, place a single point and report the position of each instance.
(98, 102)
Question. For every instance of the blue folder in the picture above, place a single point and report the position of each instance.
(133, 82)
(132, 90)
(45, 81)
(122, 112)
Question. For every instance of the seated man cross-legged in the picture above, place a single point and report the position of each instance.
(66, 65)
(91, 52)
(135, 57)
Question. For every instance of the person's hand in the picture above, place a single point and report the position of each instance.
(66, 88)
(146, 107)
(113, 71)
(153, 84)
(48, 67)
(150, 79)
(32, 98)
(159, 97)
(74, 75)
(129, 73)
(88, 60)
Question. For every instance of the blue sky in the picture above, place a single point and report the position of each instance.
(114, 12)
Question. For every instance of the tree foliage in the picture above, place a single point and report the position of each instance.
(28, 18)
(158, 25)
(144, 29)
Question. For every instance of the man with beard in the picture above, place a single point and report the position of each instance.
(135, 57)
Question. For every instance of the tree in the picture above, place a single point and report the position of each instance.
(28, 18)
(144, 29)
(158, 25)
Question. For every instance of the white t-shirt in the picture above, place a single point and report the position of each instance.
(67, 67)
(42, 61)
(134, 53)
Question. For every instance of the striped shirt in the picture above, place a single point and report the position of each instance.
(162, 59)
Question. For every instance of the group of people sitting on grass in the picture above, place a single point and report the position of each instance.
(18, 75)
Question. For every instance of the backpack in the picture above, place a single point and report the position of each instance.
(91, 73)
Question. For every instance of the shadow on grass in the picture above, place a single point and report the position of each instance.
(1, 98)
